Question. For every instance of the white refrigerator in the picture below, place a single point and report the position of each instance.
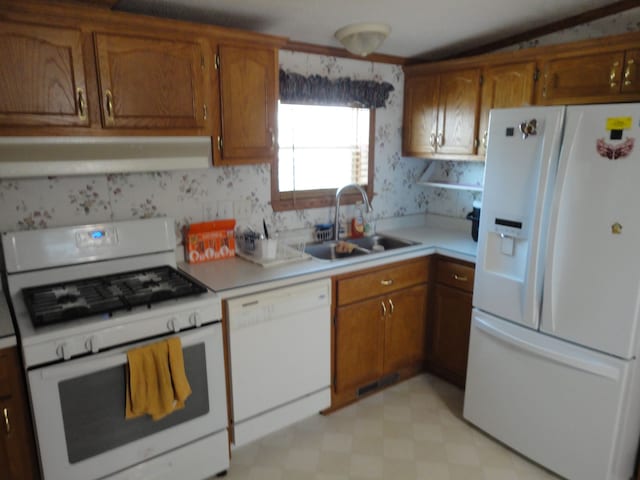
(552, 367)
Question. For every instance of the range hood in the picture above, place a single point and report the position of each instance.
(52, 156)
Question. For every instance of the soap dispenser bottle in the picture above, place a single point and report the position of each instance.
(357, 223)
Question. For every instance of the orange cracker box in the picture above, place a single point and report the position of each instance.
(207, 241)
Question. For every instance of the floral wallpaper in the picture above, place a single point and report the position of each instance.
(198, 195)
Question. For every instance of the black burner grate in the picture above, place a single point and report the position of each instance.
(48, 304)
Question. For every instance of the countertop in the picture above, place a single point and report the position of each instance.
(236, 276)
(7, 333)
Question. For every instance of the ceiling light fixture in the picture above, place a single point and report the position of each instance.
(363, 38)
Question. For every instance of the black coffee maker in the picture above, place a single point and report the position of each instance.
(474, 216)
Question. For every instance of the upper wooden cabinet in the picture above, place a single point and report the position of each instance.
(441, 113)
(605, 76)
(420, 115)
(248, 101)
(42, 76)
(504, 86)
(150, 82)
(581, 79)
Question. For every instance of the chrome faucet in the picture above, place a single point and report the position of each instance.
(365, 198)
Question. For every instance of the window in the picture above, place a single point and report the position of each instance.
(321, 148)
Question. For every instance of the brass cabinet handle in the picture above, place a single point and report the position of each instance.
(219, 143)
(432, 140)
(7, 424)
(82, 104)
(392, 307)
(109, 100)
(485, 136)
(273, 137)
(205, 111)
(386, 283)
(460, 278)
(627, 72)
(384, 308)
(612, 75)
(440, 139)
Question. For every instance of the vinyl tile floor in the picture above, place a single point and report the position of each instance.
(413, 430)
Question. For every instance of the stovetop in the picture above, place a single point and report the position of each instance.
(66, 301)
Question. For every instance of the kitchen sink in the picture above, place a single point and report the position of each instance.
(355, 247)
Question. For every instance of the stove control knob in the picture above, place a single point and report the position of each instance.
(172, 325)
(195, 319)
(91, 344)
(63, 351)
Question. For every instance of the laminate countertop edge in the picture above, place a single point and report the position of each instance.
(236, 277)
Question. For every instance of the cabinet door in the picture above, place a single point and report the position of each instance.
(420, 116)
(17, 451)
(150, 83)
(42, 79)
(458, 112)
(581, 79)
(450, 332)
(359, 344)
(405, 328)
(630, 76)
(503, 87)
(248, 95)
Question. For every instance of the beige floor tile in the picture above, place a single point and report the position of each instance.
(462, 454)
(337, 442)
(334, 463)
(412, 431)
(366, 466)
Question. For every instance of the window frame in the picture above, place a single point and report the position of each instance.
(292, 200)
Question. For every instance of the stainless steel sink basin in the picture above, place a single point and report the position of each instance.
(363, 246)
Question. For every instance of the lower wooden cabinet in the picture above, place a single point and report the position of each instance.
(451, 320)
(18, 459)
(379, 328)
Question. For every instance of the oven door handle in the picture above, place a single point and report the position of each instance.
(101, 361)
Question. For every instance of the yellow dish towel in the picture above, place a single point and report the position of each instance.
(156, 381)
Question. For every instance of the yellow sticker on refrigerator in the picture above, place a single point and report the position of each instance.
(619, 123)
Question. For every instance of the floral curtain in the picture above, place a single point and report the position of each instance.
(318, 90)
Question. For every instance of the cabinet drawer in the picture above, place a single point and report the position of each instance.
(455, 275)
(380, 281)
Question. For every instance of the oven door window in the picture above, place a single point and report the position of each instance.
(93, 408)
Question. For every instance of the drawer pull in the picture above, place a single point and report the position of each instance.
(82, 106)
(109, 104)
(384, 308)
(7, 424)
(392, 307)
(460, 278)
(612, 75)
(386, 283)
(627, 72)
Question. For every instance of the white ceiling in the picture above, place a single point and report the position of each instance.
(418, 27)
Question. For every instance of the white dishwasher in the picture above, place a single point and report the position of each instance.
(280, 349)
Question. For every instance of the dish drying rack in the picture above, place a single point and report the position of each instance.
(255, 248)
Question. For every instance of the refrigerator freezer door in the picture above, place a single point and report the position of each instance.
(592, 280)
(561, 405)
(522, 154)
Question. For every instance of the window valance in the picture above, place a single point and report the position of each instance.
(318, 90)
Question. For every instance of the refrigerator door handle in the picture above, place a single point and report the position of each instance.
(532, 294)
(548, 306)
(589, 366)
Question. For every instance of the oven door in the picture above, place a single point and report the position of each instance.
(79, 405)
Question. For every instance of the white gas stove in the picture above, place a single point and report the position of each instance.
(82, 296)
